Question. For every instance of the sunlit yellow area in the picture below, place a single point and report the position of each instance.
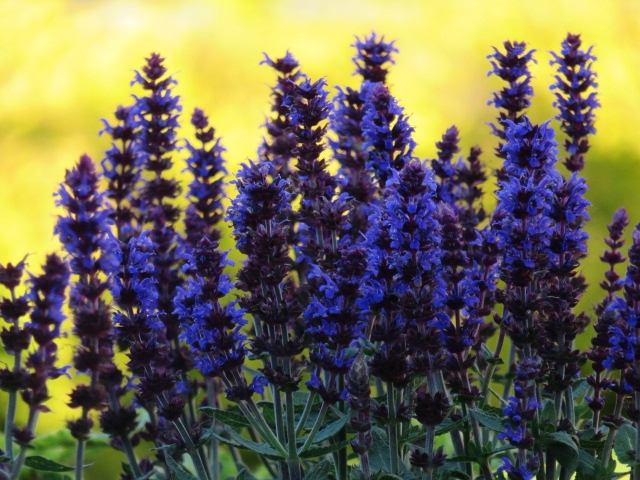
(65, 65)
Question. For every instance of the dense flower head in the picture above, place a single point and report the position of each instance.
(47, 295)
(261, 200)
(206, 166)
(623, 337)
(157, 121)
(387, 133)
(512, 67)
(84, 230)
(575, 98)
(122, 167)
(278, 147)
(372, 55)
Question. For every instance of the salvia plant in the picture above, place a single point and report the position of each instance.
(381, 323)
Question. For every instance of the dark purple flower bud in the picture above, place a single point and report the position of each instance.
(430, 410)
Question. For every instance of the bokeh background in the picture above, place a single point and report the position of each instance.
(66, 64)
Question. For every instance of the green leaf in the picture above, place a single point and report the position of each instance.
(586, 464)
(448, 425)
(45, 465)
(625, 444)
(579, 388)
(245, 475)
(379, 450)
(488, 420)
(331, 429)
(238, 441)
(5, 459)
(227, 417)
(320, 471)
(316, 451)
(387, 476)
(549, 416)
(179, 471)
(463, 459)
(564, 449)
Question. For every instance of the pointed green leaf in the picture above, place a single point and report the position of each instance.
(320, 471)
(579, 388)
(232, 419)
(238, 441)
(45, 465)
(448, 425)
(625, 444)
(564, 449)
(180, 473)
(379, 450)
(316, 451)
(5, 459)
(488, 420)
(331, 429)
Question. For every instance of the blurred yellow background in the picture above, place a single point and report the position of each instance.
(64, 65)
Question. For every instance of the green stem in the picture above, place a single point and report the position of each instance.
(316, 427)
(392, 430)
(608, 445)
(124, 439)
(305, 413)
(213, 442)
(31, 426)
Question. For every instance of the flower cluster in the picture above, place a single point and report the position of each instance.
(353, 340)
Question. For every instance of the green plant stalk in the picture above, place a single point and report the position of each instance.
(491, 369)
(195, 453)
(342, 453)
(608, 445)
(392, 431)
(294, 463)
(13, 396)
(214, 459)
(11, 412)
(636, 467)
(19, 462)
(305, 413)
(316, 427)
(251, 411)
(430, 435)
(126, 441)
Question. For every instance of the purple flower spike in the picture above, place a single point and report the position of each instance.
(387, 133)
(206, 166)
(575, 98)
(512, 67)
(373, 54)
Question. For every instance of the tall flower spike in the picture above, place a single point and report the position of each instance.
(523, 226)
(387, 133)
(606, 322)
(575, 98)
(206, 166)
(443, 166)
(122, 167)
(512, 67)
(15, 340)
(278, 147)
(157, 117)
(84, 232)
(373, 54)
